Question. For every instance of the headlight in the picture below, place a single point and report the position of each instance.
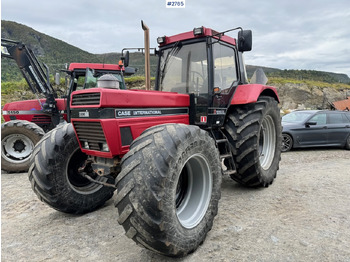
(86, 145)
(104, 147)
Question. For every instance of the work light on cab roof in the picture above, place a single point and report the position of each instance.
(244, 40)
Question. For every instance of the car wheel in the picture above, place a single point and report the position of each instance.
(347, 145)
(287, 143)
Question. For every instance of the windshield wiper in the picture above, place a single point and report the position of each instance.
(174, 50)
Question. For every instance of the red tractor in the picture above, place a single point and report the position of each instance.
(165, 151)
(27, 121)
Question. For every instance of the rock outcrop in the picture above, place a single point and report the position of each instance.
(303, 96)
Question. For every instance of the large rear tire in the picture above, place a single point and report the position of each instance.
(54, 174)
(255, 135)
(169, 189)
(18, 138)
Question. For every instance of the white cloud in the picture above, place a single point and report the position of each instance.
(295, 34)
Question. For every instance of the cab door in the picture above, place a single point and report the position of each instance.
(224, 79)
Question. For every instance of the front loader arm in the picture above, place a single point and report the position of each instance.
(33, 73)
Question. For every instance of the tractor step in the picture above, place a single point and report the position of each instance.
(230, 172)
(224, 156)
(224, 148)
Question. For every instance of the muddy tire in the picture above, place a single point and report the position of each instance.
(255, 135)
(54, 174)
(169, 189)
(287, 143)
(18, 138)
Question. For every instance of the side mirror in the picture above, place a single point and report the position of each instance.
(245, 40)
(125, 59)
(130, 71)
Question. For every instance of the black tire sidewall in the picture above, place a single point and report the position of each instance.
(148, 182)
(190, 237)
(50, 169)
(68, 148)
(347, 143)
(25, 128)
(242, 128)
(272, 111)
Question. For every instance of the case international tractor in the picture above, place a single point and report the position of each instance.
(27, 121)
(165, 150)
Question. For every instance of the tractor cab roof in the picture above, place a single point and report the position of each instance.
(107, 67)
(198, 32)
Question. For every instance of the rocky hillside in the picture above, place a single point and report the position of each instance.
(308, 94)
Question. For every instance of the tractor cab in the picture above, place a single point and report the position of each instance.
(82, 76)
(86, 75)
(205, 64)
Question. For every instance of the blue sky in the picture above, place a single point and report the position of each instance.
(296, 34)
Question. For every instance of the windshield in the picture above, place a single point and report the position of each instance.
(89, 80)
(296, 117)
(183, 69)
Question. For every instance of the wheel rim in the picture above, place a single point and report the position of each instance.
(76, 181)
(17, 148)
(286, 142)
(193, 191)
(267, 142)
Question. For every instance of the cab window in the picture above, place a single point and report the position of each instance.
(183, 69)
(225, 72)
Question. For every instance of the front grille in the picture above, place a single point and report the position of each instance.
(41, 119)
(92, 133)
(86, 99)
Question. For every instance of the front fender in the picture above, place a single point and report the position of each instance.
(250, 93)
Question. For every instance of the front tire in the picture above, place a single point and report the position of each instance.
(347, 145)
(287, 143)
(54, 174)
(169, 188)
(18, 138)
(255, 135)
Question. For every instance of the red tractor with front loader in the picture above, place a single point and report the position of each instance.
(28, 120)
(165, 150)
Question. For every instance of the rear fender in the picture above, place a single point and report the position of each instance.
(246, 94)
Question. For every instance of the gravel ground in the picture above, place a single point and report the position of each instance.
(302, 216)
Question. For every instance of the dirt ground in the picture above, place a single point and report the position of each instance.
(302, 216)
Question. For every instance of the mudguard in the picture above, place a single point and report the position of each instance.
(246, 94)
